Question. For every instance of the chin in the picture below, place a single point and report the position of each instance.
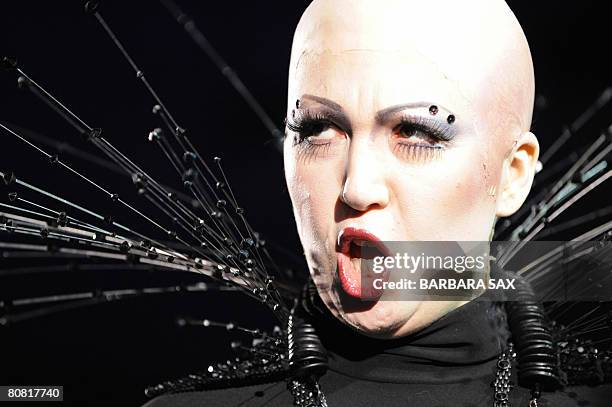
(385, 319)
(379, 319)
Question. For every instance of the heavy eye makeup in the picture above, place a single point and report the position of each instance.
(418, 138)
(413, 137)
(317, 129)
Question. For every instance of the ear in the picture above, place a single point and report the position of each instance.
(517, 175)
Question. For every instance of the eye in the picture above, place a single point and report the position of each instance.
(413, 134)
(325, 135)
(314, 130)
(420, 140)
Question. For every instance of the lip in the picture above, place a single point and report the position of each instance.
(350, 278)
(350, 234)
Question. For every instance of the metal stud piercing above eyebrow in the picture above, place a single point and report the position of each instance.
(297, 103)
(450, 119)
(433, 109)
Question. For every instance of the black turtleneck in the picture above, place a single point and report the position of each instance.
(459, 346)
(452, 362)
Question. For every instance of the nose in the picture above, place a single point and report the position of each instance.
(364, 183)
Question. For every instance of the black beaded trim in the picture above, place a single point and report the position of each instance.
(266, 364)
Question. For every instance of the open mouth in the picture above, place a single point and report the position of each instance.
(353, 247)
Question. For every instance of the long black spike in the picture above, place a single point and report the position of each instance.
(194, 32)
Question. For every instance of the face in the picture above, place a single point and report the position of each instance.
(385, 143)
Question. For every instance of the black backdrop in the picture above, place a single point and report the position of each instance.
(106, 355)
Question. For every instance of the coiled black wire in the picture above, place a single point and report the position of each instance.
(538, 362)
(306, 354)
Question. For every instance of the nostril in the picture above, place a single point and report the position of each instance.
(366, 198)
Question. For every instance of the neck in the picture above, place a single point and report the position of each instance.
(461, 344)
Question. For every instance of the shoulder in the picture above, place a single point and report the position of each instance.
(593, 396)
(252, 381)
(271, 394)
(276, 394)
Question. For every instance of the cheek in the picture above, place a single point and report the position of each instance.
(473, 189)
(451, 198)
(314, 188)
(491, 175)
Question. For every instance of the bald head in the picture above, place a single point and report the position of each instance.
(475, 49)
(408, 119)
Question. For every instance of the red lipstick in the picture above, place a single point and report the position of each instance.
(350, 253)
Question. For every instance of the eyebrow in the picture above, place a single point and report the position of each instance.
(382, 116)
(336, 112)
(324, 101)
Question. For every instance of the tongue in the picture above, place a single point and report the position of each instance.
(349, 271)
(350, 277)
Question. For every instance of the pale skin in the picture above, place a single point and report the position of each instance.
(372, 65)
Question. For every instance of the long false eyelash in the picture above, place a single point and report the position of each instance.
(306, 125)
(430, 127)
(433, 129)
(417, 152)
(309, 150)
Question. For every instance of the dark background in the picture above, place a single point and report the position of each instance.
(107, 355)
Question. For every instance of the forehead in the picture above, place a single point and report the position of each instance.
(385, 52)
(450, 33)
(363, 81)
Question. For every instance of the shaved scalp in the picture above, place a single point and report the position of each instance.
(361, 70)
(477, 46)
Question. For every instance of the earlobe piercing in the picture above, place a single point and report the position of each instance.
(539, 166)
